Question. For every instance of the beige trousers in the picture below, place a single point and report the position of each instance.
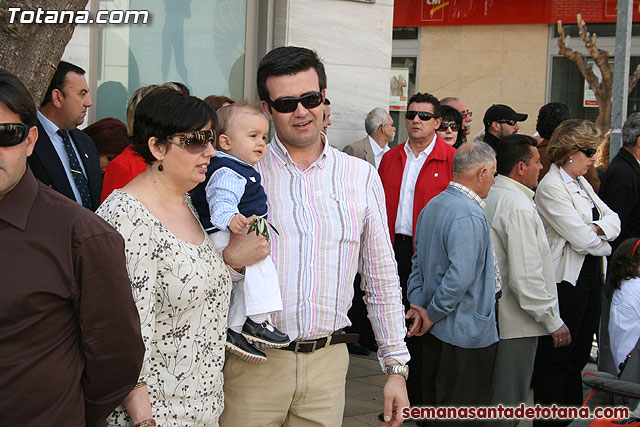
(290, 389)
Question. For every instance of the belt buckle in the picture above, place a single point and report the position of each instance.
(296, 348)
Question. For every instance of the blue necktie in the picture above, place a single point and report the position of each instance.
(76, 171)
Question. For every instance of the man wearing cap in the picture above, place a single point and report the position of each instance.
(499, 121)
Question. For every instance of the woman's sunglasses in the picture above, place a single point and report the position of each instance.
(289, 104)
(444, 126)
(13, 134)
(589, 152)
(194, 142)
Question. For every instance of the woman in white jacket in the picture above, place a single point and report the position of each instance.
(579, 227)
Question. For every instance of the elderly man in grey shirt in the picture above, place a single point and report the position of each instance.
(529, 304)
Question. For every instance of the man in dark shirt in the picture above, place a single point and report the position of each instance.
(70, 343)
(620, 188)
(500, 121)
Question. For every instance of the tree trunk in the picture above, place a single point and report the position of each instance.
(32, 51)
(603, 122)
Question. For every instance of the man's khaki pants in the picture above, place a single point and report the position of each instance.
(290, 389)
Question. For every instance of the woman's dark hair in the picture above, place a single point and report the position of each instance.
(109, 135)
(15, 96)
(450, 114)
(285, 61)
(624, 263)
(550, 116)
(165, 112)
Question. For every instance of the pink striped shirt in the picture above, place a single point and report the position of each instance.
(332, 223)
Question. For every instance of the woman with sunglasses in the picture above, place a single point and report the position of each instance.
(180, 284)
(451, 126)
(579, 227)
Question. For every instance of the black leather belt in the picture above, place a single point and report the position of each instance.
(403, 237)
(338, 337)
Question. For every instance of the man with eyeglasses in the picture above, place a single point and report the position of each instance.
(380, 130)
(69, 329)
(328, 209)
(413, 173)
(467, 115)
(65, 158)
(500, 121)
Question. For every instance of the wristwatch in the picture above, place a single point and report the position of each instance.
(397, 369)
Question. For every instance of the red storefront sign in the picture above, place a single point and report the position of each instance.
(417, 13)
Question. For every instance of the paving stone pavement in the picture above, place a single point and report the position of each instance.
(363, 396)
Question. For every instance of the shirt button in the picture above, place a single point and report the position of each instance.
(435, 174)
(312, 233)
(309, 299)
(311, 265)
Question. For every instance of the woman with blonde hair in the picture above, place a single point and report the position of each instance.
(579, 227)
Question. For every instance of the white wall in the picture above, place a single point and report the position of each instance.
(354, 41)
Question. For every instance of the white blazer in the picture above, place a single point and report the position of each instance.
(566, 213)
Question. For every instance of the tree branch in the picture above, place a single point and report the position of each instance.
(600, 58)
(633, 79)
(577, 57)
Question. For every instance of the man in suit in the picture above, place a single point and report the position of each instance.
(412, 173)
(529, 303)
(620, 187)
(380, 132)
(65, 158)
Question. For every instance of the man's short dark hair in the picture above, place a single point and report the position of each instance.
(59, 78)
(16, 97)
(285, 61)
(550, 116)
(165, 112)
(426, 97)
(631, 130)
(512, 150)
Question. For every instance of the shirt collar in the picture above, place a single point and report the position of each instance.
(565, 176)
(49, 127)
(426, 151)
(224, 155)
(278, 148)
(376, 148)
(526, 190)
(16, 205)
(468, 192)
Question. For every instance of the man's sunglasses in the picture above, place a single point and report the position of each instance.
(194, 142)
(13, 134)
(509, 122)
(589, 152)
(444, 126)
(423, 115)
(289, 104)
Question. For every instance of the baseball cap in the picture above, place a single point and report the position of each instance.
(502, 112)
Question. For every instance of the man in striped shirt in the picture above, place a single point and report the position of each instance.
(329, 210)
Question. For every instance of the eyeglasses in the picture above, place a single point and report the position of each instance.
(509, 122)
(589, 152)
(194, 142)
(13, 134)
(444, 126)
(392, 124)
(289, 104)
(466, 113)
(423, 115)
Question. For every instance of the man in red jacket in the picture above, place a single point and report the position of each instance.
(412, 173)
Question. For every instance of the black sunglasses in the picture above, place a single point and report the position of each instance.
(509, 122)
(13, 134)
(444, 126)
(589, 152)
(289, 104)
(194, 142)
(423, 115)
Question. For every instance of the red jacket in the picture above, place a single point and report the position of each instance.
(121, 170)
(434, 177)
